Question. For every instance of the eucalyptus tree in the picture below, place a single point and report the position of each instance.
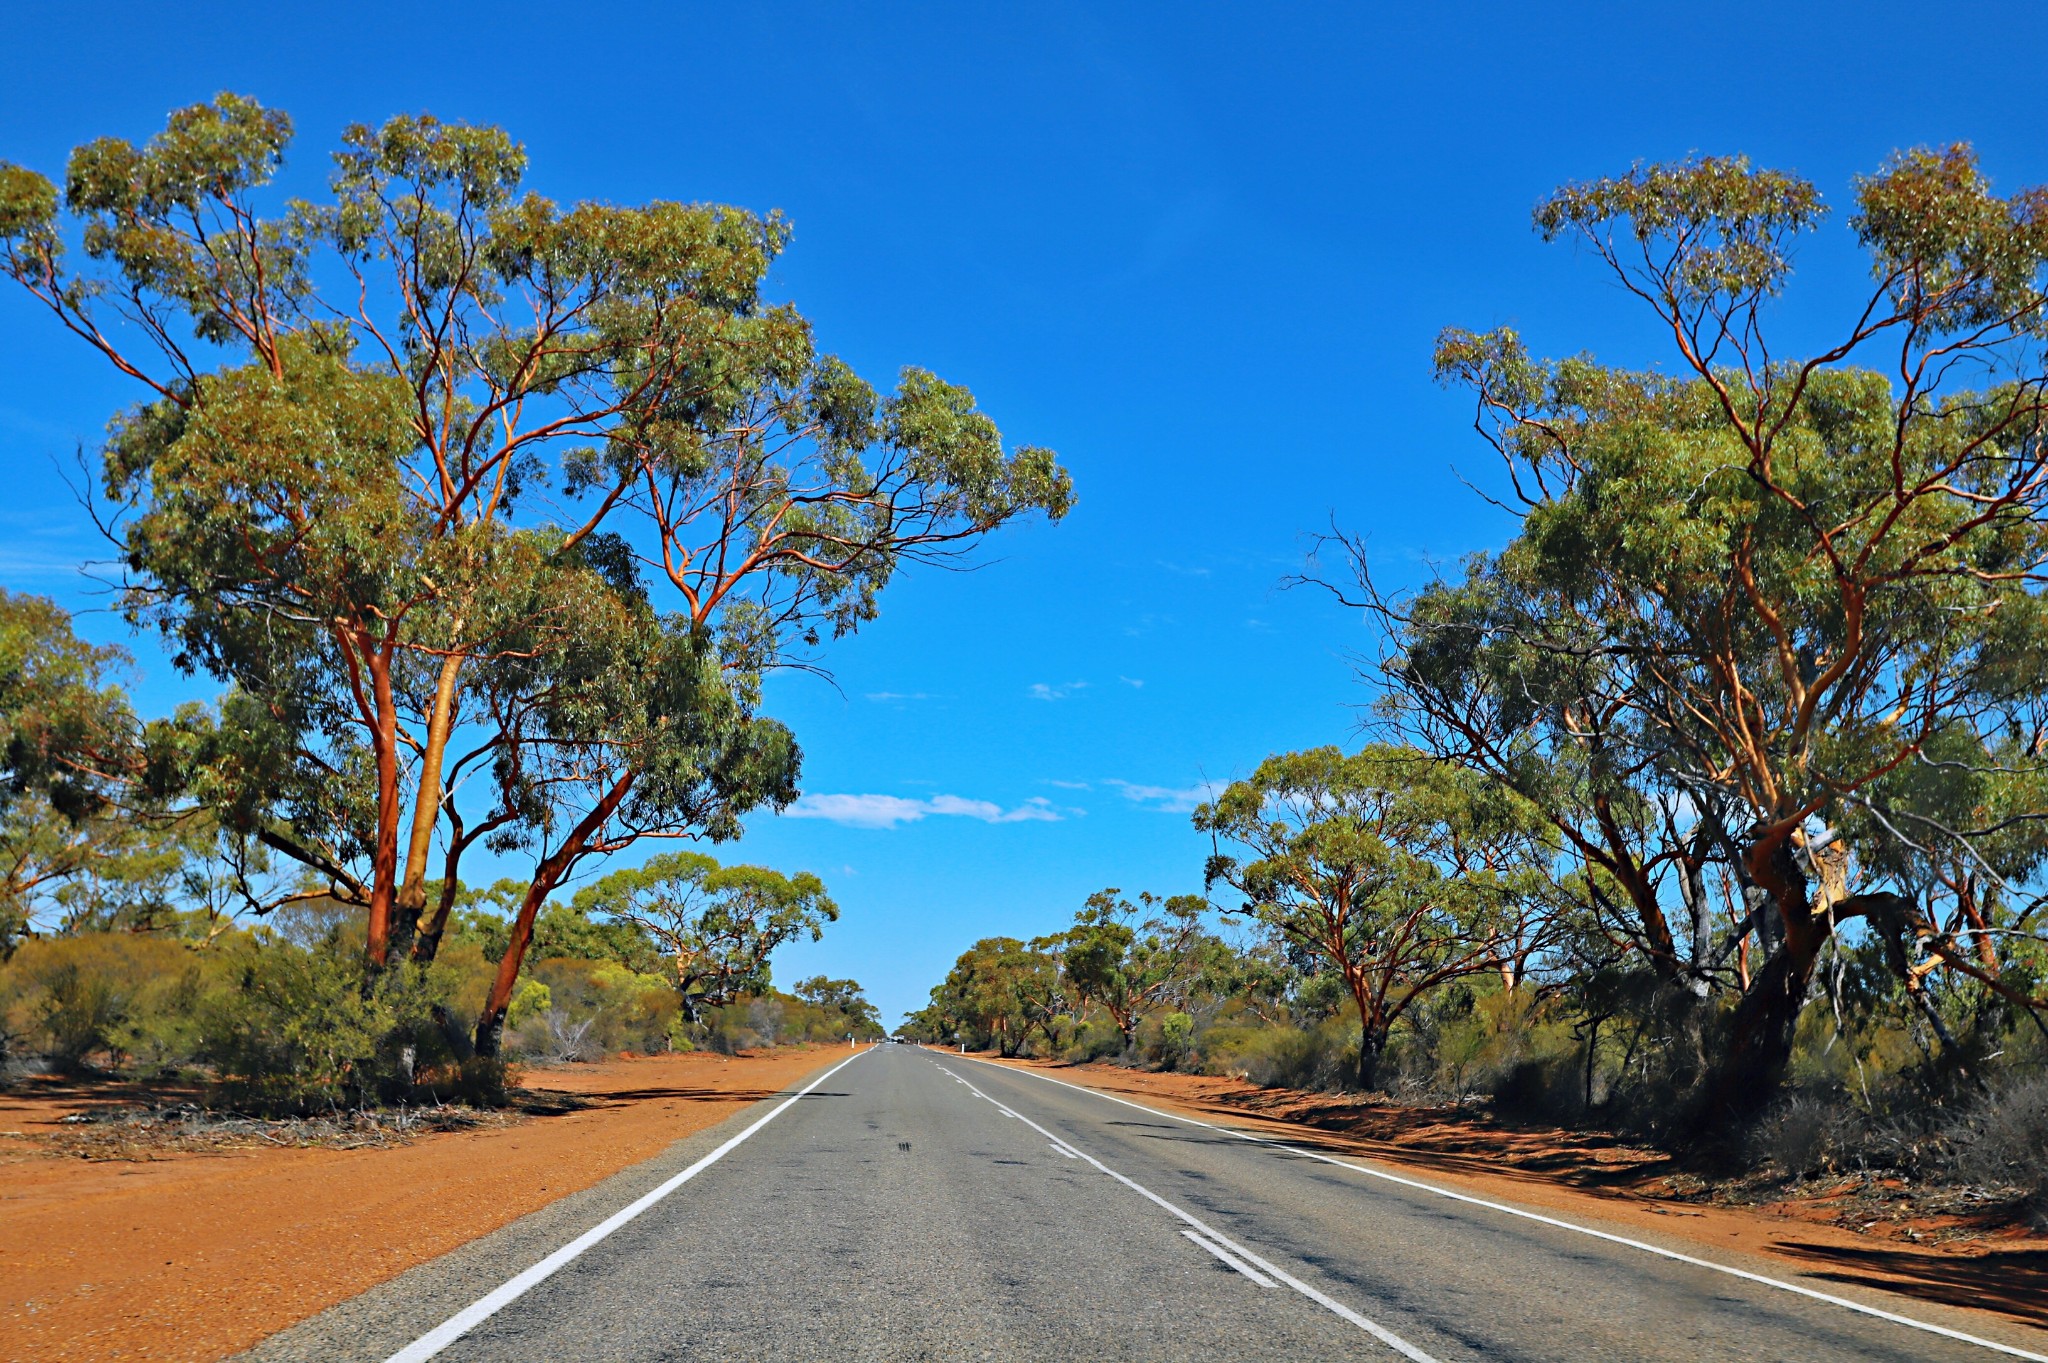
(66, 733)
(1133, 958)
(374, 428)
(846, 998)
(93, 828)
(718, 925)
(993, 996)
(1399, 871)
(1779, 588)
(321, 476)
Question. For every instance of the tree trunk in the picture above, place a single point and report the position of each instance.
(490, 1026)
(552, 871)
(428, 944)
(412, 890)
(1760, 1039)
(1372, 1044)
(1759, 1049)
(384, 851)
(1642, 894)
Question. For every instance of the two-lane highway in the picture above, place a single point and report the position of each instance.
(921, 1205)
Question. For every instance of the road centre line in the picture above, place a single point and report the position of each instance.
(2009, 1350)
(1329, 1303)
(481, 1310)
(1237, 1265)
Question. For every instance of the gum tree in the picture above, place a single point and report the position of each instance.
(1399, 871)
(718, 925)
(1785, 589)
(391, 443)
(1134, 957)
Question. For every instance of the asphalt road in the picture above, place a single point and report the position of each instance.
(918, 1205)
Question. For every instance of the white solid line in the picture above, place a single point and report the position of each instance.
(1328, 1303)
(1783, 1286)
(475, 1314)
(1236, 1264)
(1064, 1151)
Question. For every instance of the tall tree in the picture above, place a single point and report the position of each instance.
(718, 925)
(355, 410)
(1783, 583)
(85, 785)
(1133, 958)
(1399, 871)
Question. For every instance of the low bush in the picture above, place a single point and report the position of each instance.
(125, 999)
(1322, 1057)
(1091, 1041)
(2002, 1142)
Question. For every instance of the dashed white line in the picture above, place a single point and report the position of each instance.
(2011, 1351)
(1322, 1299)
(475, 1314)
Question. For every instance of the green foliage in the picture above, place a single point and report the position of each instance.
(579, 1008)
(715, 925)
(130, 998)
(774, 1019)
(1398, 872)
(846, 998)
(71, 754)
(997, 994)
(330, 503)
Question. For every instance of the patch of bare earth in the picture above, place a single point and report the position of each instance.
(153, 1231)
(1957, 1247)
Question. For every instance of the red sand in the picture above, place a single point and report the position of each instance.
(197, 1256)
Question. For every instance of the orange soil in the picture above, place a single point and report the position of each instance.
(1595, 1176)
(196, 1256)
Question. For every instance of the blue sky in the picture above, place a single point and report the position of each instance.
(1201, 251)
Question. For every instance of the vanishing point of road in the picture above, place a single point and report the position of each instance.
(917, 1205)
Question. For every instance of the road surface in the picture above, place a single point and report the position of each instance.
(919, 1205)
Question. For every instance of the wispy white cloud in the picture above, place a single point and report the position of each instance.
(1049, 691)
(1135, 682)
(1069, 785)
(887, 811)
(886, 697)
(1170, 799)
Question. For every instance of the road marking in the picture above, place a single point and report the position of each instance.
(1329, 1303)
(1242, 1268)
(475, 1314)
(1783, 1286)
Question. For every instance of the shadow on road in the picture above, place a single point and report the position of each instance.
(2012, 1282)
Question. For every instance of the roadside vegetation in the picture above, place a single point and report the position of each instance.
(1712, 808)
(487, 516)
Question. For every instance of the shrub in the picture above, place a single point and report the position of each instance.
(299, 1031)
(1093, 1041)
(577, 1008)
(1324, 1056)
(114, 996)
(1176, 1041)
(2003, 1142)
(1807, 1133)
